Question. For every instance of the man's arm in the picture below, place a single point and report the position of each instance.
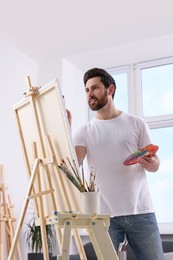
(151, 164)
(80, 152)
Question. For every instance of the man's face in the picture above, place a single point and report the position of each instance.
(96, 93)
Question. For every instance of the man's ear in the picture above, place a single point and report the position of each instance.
(111, 89)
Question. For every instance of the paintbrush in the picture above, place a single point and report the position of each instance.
(71, 178)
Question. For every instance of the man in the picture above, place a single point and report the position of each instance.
(107, 140)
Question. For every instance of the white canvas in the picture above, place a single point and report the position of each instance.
(51, 120)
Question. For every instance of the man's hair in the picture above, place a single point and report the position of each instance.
(105, 77)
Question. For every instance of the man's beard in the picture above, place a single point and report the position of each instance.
(99, 103)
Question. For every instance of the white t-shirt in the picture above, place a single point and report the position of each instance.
(124, 189)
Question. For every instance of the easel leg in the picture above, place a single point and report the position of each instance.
(21, 219)
(41, 211)
(59, 236)
(66, 241)
(43, 229)
(7, 223)
(1, 244)
(101, 241)
(11, 213)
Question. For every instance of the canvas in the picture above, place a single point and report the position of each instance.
(41, 118)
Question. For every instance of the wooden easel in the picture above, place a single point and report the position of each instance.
(46, 165)
(7, 219)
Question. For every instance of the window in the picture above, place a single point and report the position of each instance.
(121, 78)
(157, 90)
(161, 184)
(154, 83)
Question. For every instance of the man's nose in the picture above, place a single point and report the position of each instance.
(90, 92)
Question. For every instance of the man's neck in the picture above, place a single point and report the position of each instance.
(107, 113)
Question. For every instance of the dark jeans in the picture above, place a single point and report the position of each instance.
(142, 234)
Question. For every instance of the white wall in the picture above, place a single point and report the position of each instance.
(14, 67)
(125, 54)
(49, 71)
(74, 93)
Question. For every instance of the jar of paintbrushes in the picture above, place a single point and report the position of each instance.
(90, 191)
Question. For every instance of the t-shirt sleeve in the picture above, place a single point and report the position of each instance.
(79, 138)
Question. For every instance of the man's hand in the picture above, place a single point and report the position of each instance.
(69, 117)
(150, 163)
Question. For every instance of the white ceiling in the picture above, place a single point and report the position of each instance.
(50, 29)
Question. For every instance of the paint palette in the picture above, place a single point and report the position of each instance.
(136, 157)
